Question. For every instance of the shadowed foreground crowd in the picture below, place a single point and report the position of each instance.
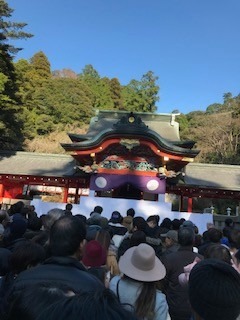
(64, 266)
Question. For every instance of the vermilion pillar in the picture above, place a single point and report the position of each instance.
(1, 191)
(65, 194)
(189, 207)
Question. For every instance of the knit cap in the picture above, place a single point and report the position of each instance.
(214, 290)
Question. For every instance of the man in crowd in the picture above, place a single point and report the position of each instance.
(177, 295)
(67, 239)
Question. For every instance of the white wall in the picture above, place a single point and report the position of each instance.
(142, 208)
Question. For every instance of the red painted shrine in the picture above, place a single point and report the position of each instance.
(123, 155)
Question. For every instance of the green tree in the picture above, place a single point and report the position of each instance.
(149, 91)
(116, 93)
(214, 108)
(142, 95)
(41, 66)
(89, 72)
(99, 88)
(10, 103)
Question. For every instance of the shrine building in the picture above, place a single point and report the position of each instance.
(123, 155)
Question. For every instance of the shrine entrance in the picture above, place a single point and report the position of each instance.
(127, 191)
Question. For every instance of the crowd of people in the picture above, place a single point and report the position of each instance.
(65, 266)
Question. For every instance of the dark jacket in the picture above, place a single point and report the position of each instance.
(177, 295)
(63, 270)
(153, 242)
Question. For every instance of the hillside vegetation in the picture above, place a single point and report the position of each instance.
(38, 106)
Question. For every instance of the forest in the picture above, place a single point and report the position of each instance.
(40, 105)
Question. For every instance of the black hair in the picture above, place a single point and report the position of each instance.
(69, 206)
(66, 234)
(29, 303)
(34, 223)
(214, 235)
(98, 305)
(131, 212)
(140, 223)
(219, 252)
(228, 222)
(137, 238)
(186, 236)
(176, 223)
(81, 217)
(166, 223)
(16, 208)
(25, 255)
(234, 238)
(98, 209)
(152, 218)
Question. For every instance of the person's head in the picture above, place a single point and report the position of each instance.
(25, 256)
(94, 254)
(166, 223)
(152, 221)
(68, 206)
(127, 222)
(116, 217)
(198, 240)
(24, 212)
(104, 238)
(171, 238)
(139, 223)
(16, 208)
(188, 224)
(98, 209)
(67, 237)
(229, 222)
(214, 235)
(34, 223)
(140, 263)
(205, 236)
(137, 238)
(234, 239)
(176, 223)
(17, 228)
(219, 252)
(92, 231)
(52, 215)
(214, 290)
(186, 236)
(82, 218)
(98, 305)
(131, 212)
(29, 303)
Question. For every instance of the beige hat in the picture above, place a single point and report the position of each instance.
(140, 263)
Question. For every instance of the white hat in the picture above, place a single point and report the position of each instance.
(140, 263)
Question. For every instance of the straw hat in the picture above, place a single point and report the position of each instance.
(140, 263)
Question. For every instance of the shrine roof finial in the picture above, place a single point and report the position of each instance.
(131, 121)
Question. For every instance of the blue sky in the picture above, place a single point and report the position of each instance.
(193, 46)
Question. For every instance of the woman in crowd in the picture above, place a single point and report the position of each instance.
(137, 288)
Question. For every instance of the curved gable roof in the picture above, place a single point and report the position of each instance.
(129, 126)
